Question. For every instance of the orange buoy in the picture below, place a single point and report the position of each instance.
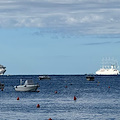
(55, 92)
(49, 119)
(66, 86)
(38, 105)
(108, 86)
(75, 98)
(17, 98)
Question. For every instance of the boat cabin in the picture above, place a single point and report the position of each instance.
(29, 82)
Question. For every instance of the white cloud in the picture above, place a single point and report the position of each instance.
(91, 18)
(85, 16)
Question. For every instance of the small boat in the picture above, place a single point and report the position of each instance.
(27, 86)
(44, 77)
(1, 86)
(90, 77)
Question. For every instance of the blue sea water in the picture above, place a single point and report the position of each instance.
(96, 100)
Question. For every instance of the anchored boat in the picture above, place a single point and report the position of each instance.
(90, 77)
(27, 86)
(44, 77)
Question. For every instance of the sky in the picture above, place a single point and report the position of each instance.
(58, 37)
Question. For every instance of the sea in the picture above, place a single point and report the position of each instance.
(95, 100)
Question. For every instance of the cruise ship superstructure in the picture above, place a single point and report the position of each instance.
(2, 70)
(109, 68)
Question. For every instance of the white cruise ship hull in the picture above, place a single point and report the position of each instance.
(2, 70)
(107, 72)
(109, 67)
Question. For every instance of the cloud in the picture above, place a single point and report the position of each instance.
(98, 43)
(80, 16)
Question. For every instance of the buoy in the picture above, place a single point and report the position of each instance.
(66, 86)
(1, 89)
(38, 106)
(108, 86)
(38, 91)
(75, 98)
(49, 119)
(17, 98)
(55, 92)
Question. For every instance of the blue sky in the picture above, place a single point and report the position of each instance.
(58, 36)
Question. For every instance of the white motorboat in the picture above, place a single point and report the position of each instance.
(27, 86)
(108, 68)
(44, 77)
(2, 70)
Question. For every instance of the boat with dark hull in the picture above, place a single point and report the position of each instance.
(90, 77)
(44, 77)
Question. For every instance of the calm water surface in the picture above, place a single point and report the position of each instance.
(96, 100)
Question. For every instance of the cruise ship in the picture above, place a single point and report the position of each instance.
(2, 70)
(108, 69)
